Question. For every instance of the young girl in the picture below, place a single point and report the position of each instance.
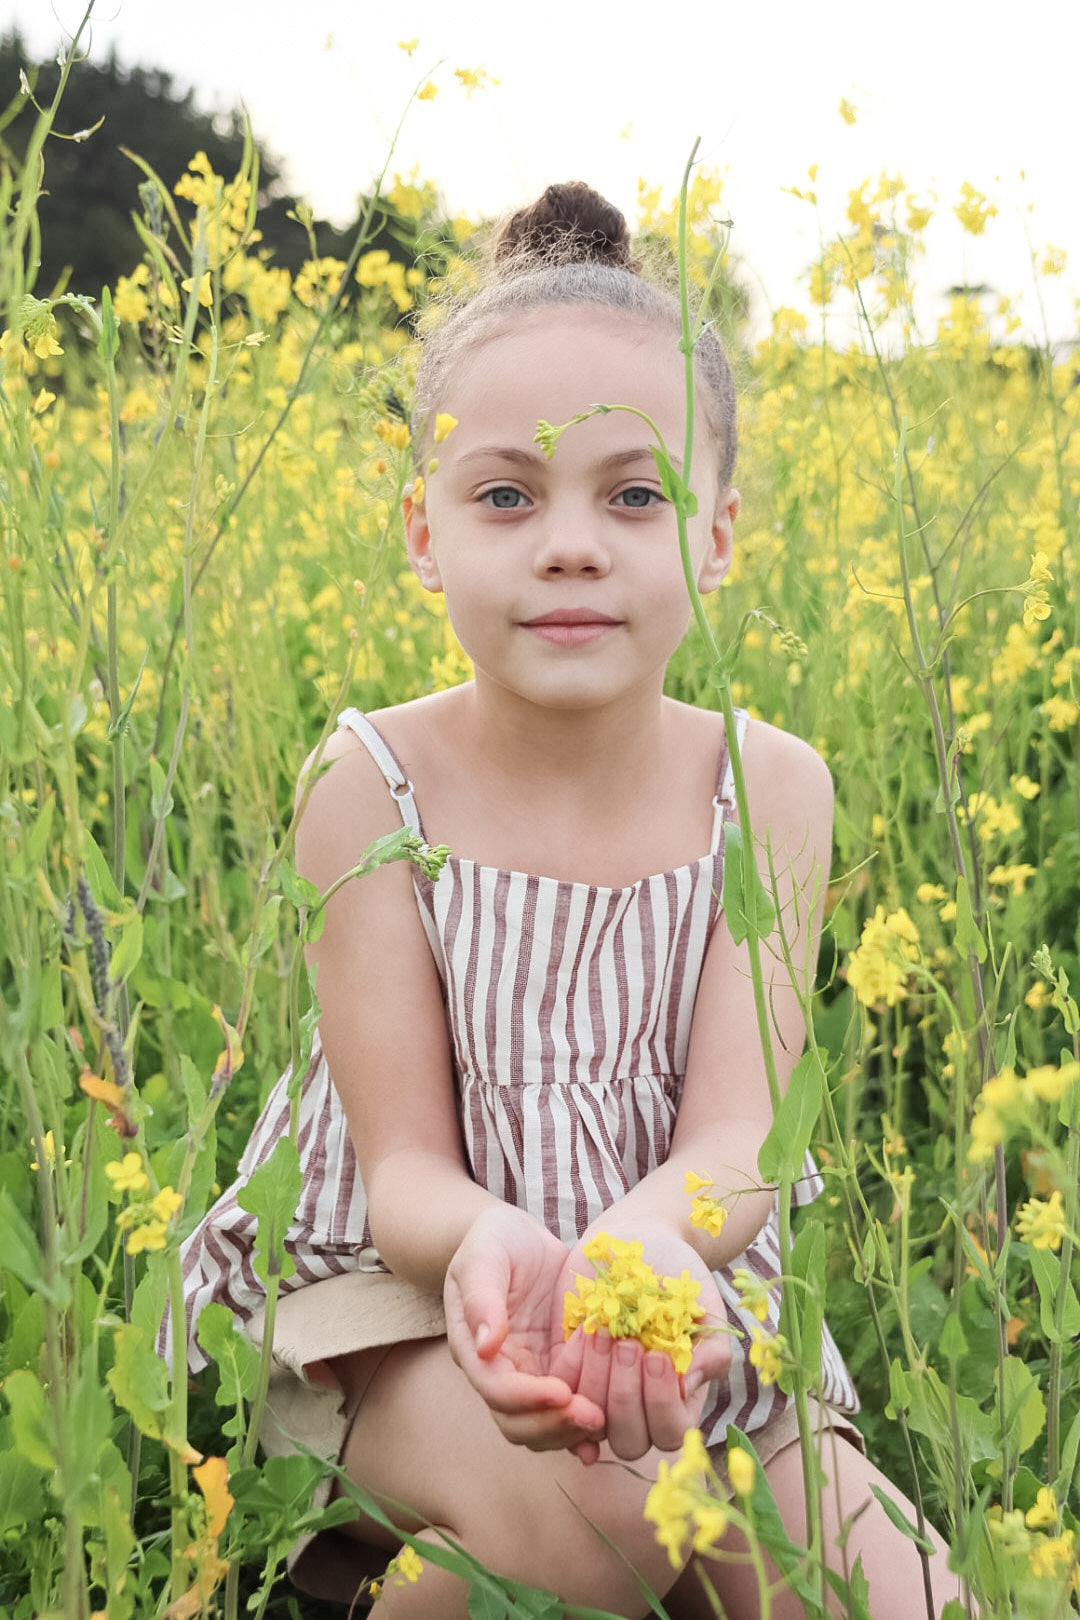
(541, 1043)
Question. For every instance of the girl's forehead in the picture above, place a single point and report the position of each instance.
(565, 358)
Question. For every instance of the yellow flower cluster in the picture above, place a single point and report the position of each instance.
(1050, 1557)
(1008, 1099)
(404, 1570)
(684, 1503)
(878, 970)
(626, 1299)
(1042, 1223)
(147, 1223)
(706, 1213)
(767, 1355)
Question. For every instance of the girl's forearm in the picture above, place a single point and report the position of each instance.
(661, 1197)
(420, 1206)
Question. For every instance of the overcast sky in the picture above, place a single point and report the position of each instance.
(944, 90)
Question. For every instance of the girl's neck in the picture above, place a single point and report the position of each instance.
(576, 753)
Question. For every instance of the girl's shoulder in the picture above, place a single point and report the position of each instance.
(787, 780)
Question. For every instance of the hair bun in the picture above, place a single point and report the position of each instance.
(569, 224)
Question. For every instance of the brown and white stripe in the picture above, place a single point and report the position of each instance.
(569, 1009)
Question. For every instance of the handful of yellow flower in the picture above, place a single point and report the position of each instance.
(629, 1301)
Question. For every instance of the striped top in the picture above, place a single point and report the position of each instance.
(569, 1010)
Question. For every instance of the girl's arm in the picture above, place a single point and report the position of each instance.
(725, 1111)
(383, 1027)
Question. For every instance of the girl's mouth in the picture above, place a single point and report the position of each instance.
(571, 627)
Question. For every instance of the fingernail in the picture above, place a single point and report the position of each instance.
(656, 1364)
(603, 1344)
(626, 1352)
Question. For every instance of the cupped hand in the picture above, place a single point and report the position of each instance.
(645, 1402)
(499, 1323)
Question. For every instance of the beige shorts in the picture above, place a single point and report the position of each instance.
(363, 1310)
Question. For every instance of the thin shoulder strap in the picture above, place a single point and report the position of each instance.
(401, 789)
(724, 797)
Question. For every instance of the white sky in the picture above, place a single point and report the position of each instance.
(945, 91)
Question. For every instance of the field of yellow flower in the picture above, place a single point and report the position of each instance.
(200, 475)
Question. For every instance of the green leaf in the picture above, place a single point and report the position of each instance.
(1024, 1415)
(969, 940)
(22, 1252)
(954, 1345)
(161, 800)
(139, 1380)
(22, 1500)
(127, 952)
(784, 1148)
(1047, 1270)
(235, 1356)
(31, 1426)
(900, 1519)
(98, 875)
(266, 934)
(299, 891)
(109, 339)
(272, 1193)
(808, 1263)
(760, 913)
(772, 1533)
(674, 488)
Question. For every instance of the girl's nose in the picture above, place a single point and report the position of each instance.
(572, 544)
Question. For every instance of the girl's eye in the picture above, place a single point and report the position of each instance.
(638, 496)
(504, 497)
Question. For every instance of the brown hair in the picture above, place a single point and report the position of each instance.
(571, 246)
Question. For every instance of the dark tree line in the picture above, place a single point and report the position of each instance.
(91, 188)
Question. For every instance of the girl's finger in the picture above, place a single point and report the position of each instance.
(627, 1423)
(595, 1371)
(668, 1413)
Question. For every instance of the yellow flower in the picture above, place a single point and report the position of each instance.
(753, 1292)
(428, 93)
(1026, 788)
(683, 1502)
(395, 434)
(1015, 876)
(741, 1470)
(628, 1300)
(708, 1215)
(1042, 1223)
(846, 110)
(127, 1174)
(973, 211)
(406, 1568)
(444, 426)
(767, 1355)
(407, 45)
(473, 79)
(1061, 713)
(694, 1183)
(1050, 1082)
(417, 496)
(150, 1235)
(1051, 1559)
(166, 1203)
(1044, 1513)
(880, 967)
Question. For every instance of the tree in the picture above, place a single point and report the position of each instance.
(91, 187)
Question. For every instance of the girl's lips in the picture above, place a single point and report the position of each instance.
(571, 627)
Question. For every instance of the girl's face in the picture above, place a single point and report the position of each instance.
(562, 578)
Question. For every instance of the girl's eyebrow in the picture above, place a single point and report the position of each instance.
(531, 458)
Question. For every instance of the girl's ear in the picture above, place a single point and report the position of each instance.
(718, 557)
(418, 544)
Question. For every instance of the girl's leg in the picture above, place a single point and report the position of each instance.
(890, 1562)
(426, 1446)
